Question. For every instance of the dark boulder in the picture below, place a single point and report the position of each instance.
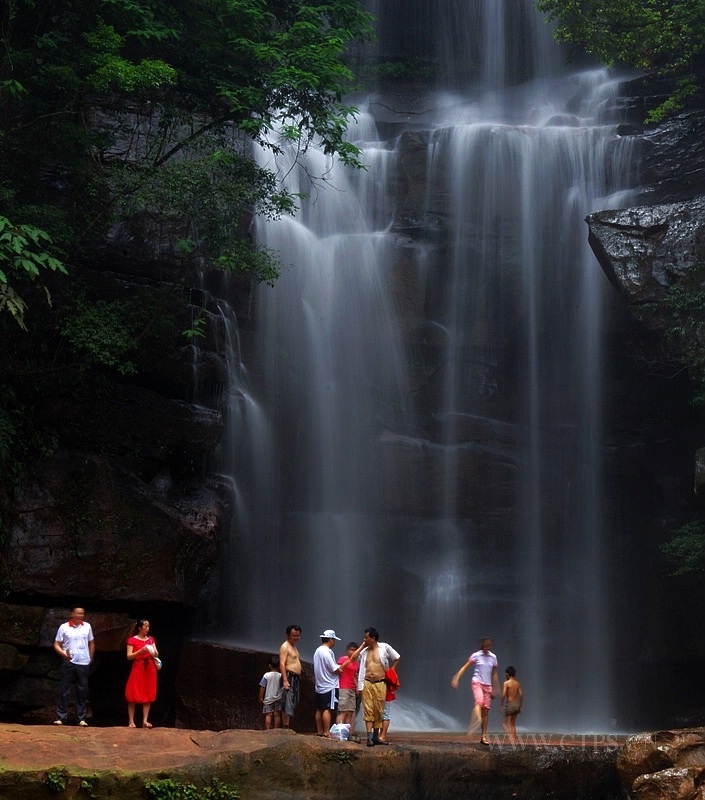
(664, 765)
(217, 687)
(646, 250)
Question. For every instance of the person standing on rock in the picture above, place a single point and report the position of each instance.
(376, 659)
(75, 644)
(270, 695)
(348, 694)
(485, 685)
(512, 702)
(290, 668)
(326, 674)
(142, 683)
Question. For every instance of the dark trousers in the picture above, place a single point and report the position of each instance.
(70, 675)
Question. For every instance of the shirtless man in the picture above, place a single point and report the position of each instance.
(290, 668)
(375, 659)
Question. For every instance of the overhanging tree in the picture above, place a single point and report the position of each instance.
(112, 106)
(99, 100)
(662, 37)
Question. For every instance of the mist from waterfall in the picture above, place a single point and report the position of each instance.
(424, 453)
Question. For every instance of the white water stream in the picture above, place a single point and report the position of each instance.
(424, 453)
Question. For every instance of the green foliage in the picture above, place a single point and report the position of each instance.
(101, 100)
(12, 88)
(663, 37)
(116, 334)
(116, 111)
(214, 186)
(687, 333)
(299, 61)
(112, 72)
(686, 550)
(345, 757)
(101, 334)
(259, 262)
(23, 255)
(169, 789)
(198, 327)
(56, 780)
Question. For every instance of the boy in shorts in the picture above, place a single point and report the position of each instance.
(512, 701)
(270, 695)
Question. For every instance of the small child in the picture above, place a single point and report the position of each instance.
(270, 695)
(348, 695)
(512, 701)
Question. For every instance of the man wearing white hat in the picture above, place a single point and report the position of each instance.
(325, 674)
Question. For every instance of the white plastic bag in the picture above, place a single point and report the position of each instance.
(340, 731)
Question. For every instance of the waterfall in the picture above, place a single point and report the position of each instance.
(425, 452)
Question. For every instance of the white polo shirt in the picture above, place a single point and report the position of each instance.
(75, 638)
(484, 664)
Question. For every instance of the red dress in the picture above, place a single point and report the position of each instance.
(142, 683)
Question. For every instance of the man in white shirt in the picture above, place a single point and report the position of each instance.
(326, 672)
(485, 686)
(376, 659)
(75, 644)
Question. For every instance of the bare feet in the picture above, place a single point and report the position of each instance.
(147, 725)
(132, 725)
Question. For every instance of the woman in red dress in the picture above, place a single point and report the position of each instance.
(142, 683)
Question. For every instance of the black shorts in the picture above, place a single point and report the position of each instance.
(328, 700)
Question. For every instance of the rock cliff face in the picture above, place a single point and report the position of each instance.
(123, 515)
(128, 520)
(645, 251)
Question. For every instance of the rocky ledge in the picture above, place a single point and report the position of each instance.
(116, 762)
(664, 765)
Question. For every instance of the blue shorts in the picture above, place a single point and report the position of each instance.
(387, 713)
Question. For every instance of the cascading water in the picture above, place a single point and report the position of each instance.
(427, 456)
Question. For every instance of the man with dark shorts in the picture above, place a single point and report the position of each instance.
(326, 672)
(290, 668)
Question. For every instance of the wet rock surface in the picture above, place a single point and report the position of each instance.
(276, 764)
(671, 159)
(664, 765)
(646, 250)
